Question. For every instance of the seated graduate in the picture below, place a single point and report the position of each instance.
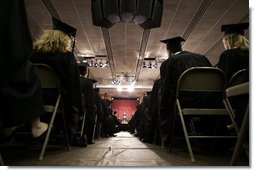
(236, 54)
(108, 122)
(89, 99)
(54, 49)
(170, 71)
(234, 58)
(20, 90)
(152, 115)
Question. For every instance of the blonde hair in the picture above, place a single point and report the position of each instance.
(53, 41)
(235, 41)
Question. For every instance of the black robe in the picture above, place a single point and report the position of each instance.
(170, 71)
(20, 92)
(152, 115)
(230, 62)
(65, 65)
(233, 60)
(89, 102)
(145, 118)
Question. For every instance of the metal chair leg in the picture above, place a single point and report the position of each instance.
(94, 128)
(241, 138)
(65, 130)
(49, 129)
(186, 134)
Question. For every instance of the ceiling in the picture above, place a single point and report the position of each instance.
(126, 45)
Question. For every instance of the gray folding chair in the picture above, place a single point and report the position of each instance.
(83, 118)
(49, 79)
(237, 90)
(241, 76)
(200, 79)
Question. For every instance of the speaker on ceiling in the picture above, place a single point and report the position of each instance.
(146, 13)
(98, 15)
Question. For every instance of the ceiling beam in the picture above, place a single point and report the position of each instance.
(142, 50)
(107, 42)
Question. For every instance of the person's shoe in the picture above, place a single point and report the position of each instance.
(113, 135)
(90, 142)
(39, 130)
(80, 141)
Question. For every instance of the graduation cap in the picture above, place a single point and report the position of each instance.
(234, 28)
(174, 44)
(82, 68)
(59, 25)
(83, 64)
(148, 93)
(97, 90)
(174, 40)
(93, 81)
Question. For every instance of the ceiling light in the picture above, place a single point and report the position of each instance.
(150, 63)
(95, 62)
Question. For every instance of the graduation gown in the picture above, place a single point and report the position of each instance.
(170, 71)
(87, 90)
(145, 118)
(152, 115)
(233, 60)
(20, 95)
(65, 65)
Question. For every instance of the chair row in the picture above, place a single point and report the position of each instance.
(213, 80)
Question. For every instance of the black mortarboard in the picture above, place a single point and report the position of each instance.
(59, 25)
(148, 93)
(83, 64)
(93, 81)
(234, 28)
(174, 40)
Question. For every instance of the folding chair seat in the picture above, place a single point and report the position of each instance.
(49, 79)
(233, 91)
(200, 79)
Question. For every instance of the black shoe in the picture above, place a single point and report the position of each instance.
(104, 136)
(90, 142)
(113, 135)
(39, 139)
(80, 141)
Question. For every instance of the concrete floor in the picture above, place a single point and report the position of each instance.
(121, 151)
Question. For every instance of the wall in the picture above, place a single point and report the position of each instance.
(127, 106)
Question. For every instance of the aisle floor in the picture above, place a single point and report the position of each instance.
(123, 150)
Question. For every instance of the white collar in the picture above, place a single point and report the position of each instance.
(177, 52)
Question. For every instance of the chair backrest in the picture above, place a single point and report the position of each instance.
(196, 79)
(48, 77)
(239, 77)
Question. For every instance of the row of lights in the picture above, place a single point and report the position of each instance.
(124, 82)
(123, 78)
(150, 63)
(96, 63)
